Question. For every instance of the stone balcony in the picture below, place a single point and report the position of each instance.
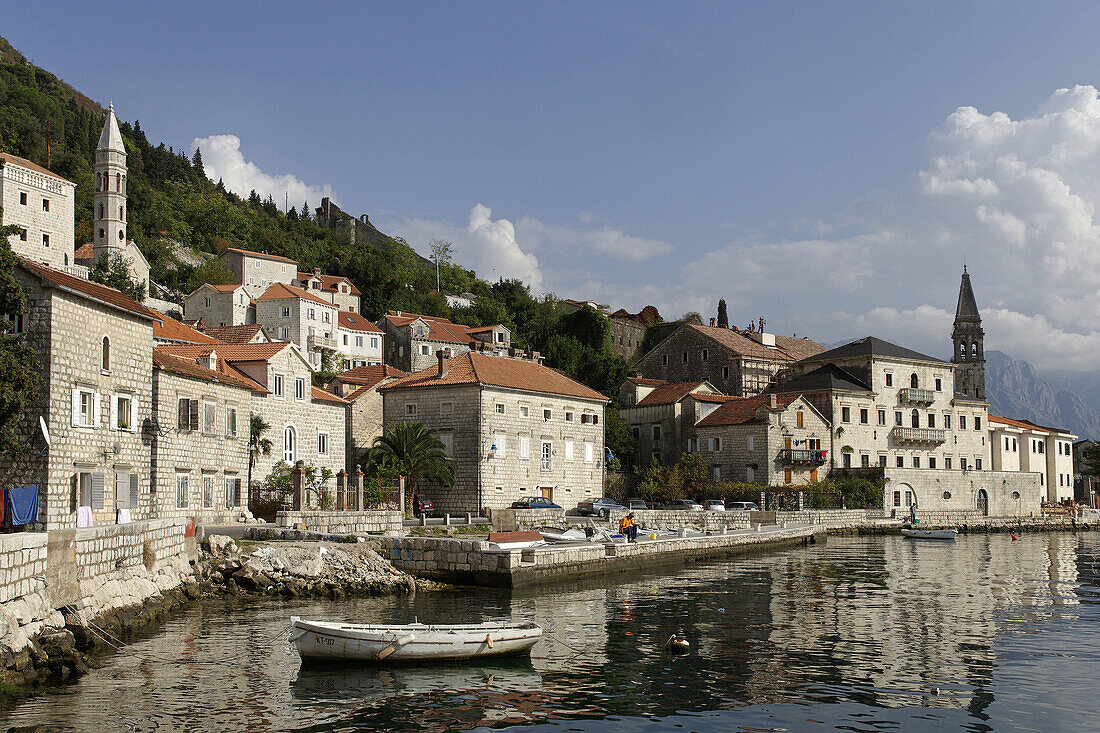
(919, 436)
(913, 396)
(76, 271)
(799, 456)
(318, 341)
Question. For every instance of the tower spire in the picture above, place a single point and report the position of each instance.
(109, 198)
(968, 343)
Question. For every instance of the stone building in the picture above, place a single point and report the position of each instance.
(1021, 445)
(199, 439)
(628, 330)
(170, 331)
(42, 204)
(298, 316)
(891, 406)
(654, 413)
(514, 427)
(1086, 485)
(336, 289)
(220, 306)
(775, 440)
(359, 386)
(259, 270)
(738, 363)
(412, 340)
(86, 427)
(359, 342)
(307, 423)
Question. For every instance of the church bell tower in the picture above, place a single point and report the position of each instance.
(109, 200)
(968, 339)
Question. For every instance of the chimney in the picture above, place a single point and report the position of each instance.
(772, 403)
(443, 365)
(317, 271)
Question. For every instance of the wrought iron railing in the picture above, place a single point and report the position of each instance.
(919, 435)
(791, 456)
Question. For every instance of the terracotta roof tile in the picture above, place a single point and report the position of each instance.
(169, 329)
(740, 410)
(85, 251)
(498, 371)
(242, 334)
(91, 290)
(369, 376)
(439, 329)
(666, 394)
(231, 352)
(719, 398)
(1026, 424)
(24, 163)
(646, 382)
(787, 348)
(191, 368)
(356, 322)
(262, 256)
(329, 282)
(322, 396)
(280, 291)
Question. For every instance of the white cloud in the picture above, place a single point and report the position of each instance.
(606, 241)
(222, 159)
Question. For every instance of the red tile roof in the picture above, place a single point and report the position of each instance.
(88, 289)
(24, 163)
(368, 376)
(498, 371)
(191, 368)
(439, 329)
(281, 291)
(702, 397)
(1025, 424)
(787, 348)
(323, 396)
(230, 352)
(263, 256)
(645, 382)
(85, 251)
(169, 329)
(740, 410)
(356, 322)
(666, 394)
(242, 334)
(329, 282)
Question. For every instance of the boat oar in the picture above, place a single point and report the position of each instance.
(393, 646)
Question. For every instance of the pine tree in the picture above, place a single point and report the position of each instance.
(723, 316)
(196, 162)
(304, 213)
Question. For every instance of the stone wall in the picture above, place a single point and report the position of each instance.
(342, 522)
(1008, 493)
(678, 519)
(224, 309)
(363, 424)
(257, 279)
(828, 517)
(510, 520)
(58, 222)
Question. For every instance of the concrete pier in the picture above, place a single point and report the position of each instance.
(473, 562)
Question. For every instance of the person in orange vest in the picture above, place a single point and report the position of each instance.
(628, 529)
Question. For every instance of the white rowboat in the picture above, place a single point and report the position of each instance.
(411, 642)
(930, 534)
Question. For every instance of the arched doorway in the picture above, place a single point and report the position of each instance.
(983, 503)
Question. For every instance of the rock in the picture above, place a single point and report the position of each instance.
(221, 545)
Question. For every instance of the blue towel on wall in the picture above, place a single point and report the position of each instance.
(24, 504)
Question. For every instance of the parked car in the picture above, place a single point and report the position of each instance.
(421, 505)
(636, 503)
(742, 506)
(684, 505)
(599, 507)
(714, 505)
(534, 502)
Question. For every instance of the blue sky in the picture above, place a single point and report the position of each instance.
(803, 160)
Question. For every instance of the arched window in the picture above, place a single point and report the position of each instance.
(962, 350)
(118, 182)
(974, 349)
(98, 181)
(120, 216)
(124, 184)
(913, 382)
(101, 233)
(101, 211)
(121, 235)
(106, 353)
(290, 445)
(916, 419)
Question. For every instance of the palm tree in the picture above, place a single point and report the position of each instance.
(412, 450)
(258, 445)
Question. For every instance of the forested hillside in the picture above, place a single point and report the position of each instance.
(175, 210)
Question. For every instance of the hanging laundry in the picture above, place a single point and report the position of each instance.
(84, 516)
(23, 504)
(123, 516)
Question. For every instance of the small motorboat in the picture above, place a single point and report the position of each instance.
(411, 642)
(930, 534)
(559, 534)
(515, 540)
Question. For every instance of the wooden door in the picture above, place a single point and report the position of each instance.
(547, 492)
(813, 475)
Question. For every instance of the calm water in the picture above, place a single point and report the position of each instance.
(860, 634)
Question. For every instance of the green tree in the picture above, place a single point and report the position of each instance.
(723, 316)
(258, 443)
(441, 255)
(411, 450)
(212, 271)
(1090, 459)
(617, 437)
(116, 271)
(196, 162)
(19, 366)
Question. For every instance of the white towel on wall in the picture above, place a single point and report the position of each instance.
(84, 516)
(123, 516)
